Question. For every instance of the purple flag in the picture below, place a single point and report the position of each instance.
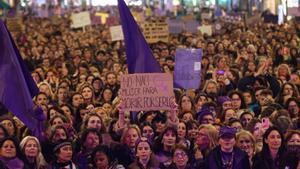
(16, 84)
(139, 56)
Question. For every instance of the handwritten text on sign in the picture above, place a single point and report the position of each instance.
(156, 31)
(152, 91)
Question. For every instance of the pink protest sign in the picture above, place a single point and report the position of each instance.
(147, 91)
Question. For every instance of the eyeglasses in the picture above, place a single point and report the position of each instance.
(180, 154)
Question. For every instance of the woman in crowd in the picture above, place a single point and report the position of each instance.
(93, 120)
(10, 154)
(63, 152)
(103, 158)
(206, 141)
(125, 152)
(246, 142)
(90, 139)
(182, 134)
(31, 148)
(292, 157)
(145, 159)
(180, 158)
(164, 145)
(186, 104)
(271, 155)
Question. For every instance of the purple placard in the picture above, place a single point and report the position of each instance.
(176, 26)
(188, 68)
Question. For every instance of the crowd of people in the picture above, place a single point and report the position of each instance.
(244, 115)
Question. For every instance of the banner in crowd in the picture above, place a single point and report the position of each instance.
(116, 33)
(187, 73)
(156, 31)
(14, 24)
(81, 19)
(146, 91)
(206, 29)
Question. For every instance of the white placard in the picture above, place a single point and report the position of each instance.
(206, 29)
(116, 33)
(81, 19)
(197, 66)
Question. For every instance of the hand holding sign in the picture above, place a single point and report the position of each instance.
(120, 108)
(152, 91)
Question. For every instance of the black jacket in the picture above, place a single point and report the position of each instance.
(240, 159)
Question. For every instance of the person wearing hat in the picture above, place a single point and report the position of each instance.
(63, 152)
(226, 155)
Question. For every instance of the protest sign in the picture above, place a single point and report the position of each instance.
(176, 26)
(156, 31)
(188, 68)
(206, 29)
(293, 7)
(147, 91)
(103, 16)
(116, 33)
(14, 24)
(80, 19)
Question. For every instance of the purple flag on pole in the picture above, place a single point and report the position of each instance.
(16, 84)
(139, 56)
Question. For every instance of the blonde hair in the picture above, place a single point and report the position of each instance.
(212, 134)
(247, 134)
(40, 160)
(209, 82)
(51, 94)
(125, 132)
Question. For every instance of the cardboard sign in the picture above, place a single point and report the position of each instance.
(156, 31)
(14, 24)
(147, 91)
(80, 19)
(187, 73)
(116, 33)
(206, 29)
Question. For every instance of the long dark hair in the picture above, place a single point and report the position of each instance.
(266, 150)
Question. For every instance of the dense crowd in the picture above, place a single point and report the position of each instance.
(244, 115)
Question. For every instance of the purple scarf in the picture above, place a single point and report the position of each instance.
(13, 163)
